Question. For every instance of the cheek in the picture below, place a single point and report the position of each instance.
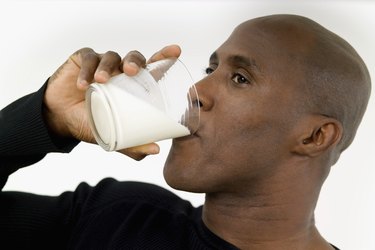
(247, 137)
(231, 139)
(238, 142)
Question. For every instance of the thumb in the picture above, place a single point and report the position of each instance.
(140, 152)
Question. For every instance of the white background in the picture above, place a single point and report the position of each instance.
(36, 37)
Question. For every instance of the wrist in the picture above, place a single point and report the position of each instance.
(54, 123)
(58, 134)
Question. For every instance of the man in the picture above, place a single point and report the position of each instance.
(282, 99)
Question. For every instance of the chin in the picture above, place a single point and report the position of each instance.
(182, 174)
(187, 168)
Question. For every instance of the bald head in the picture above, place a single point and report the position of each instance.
(334, 79)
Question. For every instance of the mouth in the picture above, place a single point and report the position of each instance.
(187, 138)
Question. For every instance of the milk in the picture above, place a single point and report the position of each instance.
(120, 119)
(132, 111)
(134, 128)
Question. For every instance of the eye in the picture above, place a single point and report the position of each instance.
(240, 79)
(209, 70)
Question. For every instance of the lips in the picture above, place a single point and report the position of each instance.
(187, 138)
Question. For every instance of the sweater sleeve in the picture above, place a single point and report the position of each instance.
(29, 221)
(24, 137)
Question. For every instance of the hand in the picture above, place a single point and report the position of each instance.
(65, 95)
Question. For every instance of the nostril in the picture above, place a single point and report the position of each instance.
(196, 103)
(199, 103)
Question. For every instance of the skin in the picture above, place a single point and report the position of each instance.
(64, 99)
(260, 155)
(264, 196)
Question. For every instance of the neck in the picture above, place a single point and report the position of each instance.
(268, 217)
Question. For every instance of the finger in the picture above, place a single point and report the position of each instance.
(108, 66)
(89, 62)
(140, 152)
(166, 52)
(132, 62)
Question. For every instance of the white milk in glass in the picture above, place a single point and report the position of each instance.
(131, 111)
(140, 123)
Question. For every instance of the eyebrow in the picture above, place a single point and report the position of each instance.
(238, 60)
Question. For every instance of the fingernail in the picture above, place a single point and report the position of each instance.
(133, 65)
(153, 149)
(104, 74)
(83, 83)
(132, 68)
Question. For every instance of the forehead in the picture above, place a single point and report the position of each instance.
(273, 47)
(271, 37)
(245, 40)
(248, 45)
(270, 55)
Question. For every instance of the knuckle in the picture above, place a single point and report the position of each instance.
(112, 54)
(136, 57)
(111, 59)
(135, 54)
(84, 50)
(87, 54)
(90, 56)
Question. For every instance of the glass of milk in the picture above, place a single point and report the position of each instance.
(159, 103)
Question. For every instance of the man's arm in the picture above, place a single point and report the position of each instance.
(24, 137)
(28, 220)
(53, 119)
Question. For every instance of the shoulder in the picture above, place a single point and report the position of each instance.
(110, 192)
(134, 215)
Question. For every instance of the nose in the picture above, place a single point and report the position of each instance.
(205, 91)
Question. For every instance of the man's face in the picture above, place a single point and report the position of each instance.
(247, 116)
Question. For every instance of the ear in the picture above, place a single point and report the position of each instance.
(320, 134)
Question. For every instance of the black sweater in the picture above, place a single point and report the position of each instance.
(111, 215)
